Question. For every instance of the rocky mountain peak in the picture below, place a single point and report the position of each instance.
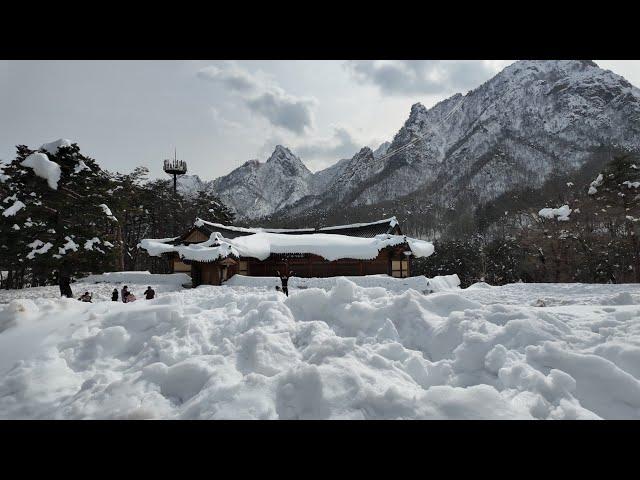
(364, 152)
(533, 118)
(291, 163)
(418, 111)
(381, 150)
(251, 163)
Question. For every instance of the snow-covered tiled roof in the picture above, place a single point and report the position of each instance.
(261, 245)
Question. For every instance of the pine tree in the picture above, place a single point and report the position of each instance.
(55, 219)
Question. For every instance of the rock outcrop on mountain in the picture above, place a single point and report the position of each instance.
(533, 119)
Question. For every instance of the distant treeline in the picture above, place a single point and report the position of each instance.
(598, 243)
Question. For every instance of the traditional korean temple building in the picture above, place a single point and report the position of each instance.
(212, 253)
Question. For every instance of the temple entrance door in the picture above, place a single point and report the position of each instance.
(196, 274)
(225, 269)
(223, 273)
(209, 274)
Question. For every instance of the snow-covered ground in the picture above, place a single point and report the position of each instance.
(548, 351)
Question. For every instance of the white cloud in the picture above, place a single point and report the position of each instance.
(411, 77)
(222, 121)
(232, 77)
(263, 97)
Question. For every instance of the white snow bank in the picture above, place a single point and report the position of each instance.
(596, 183)
(44, 168)
(139, 277)
(13, 209)
(343, 353)
(107, 212)
(52, 147)
(561, 213)
(262, 244)
(419, 283)
(81, 166)
(420, 248)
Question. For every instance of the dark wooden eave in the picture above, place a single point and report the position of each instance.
(364, 230)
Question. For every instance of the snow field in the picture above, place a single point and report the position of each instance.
(420, 283)
(339, 352)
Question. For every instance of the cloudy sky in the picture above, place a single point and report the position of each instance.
(219, 114)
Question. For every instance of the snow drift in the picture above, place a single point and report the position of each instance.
(346, 352)
(419, 283)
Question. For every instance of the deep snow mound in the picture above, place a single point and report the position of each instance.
(342, 352)
(419, 283)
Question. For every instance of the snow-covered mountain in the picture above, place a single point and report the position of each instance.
(192, 184)
(531, 119)
(382, 149)
(257, 189)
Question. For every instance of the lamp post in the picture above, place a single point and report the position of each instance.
(175, 167)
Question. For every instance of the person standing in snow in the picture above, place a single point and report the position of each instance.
(64, 282)
(284, 279)
(124, 293)
(149, 293)
(114, 295)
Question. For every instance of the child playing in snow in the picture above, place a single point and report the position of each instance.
(125, 292)
(149, 293)
(85, 297)
(285, 281)
(130, 297)
(114, 295)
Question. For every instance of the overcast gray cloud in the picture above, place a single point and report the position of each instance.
(263, 97)
(231, 77)
(340, 145)
(284, 110)
(410, 77)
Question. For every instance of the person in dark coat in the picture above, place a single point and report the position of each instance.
(149, 293)
(114, 295)
(124, 292)
(85, 297)
(64, 282)
(284, 279)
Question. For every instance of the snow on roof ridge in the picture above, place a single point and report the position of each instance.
(393, 221)
(263, 244)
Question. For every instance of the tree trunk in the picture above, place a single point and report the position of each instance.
(120, 259)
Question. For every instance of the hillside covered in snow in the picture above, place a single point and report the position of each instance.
(532, 120)
(331, 350)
